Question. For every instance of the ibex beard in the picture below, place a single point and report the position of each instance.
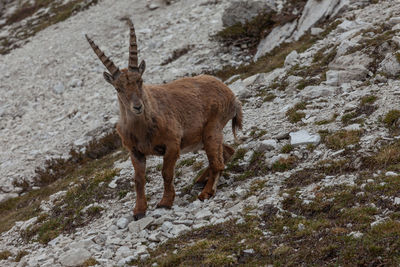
(166, 120)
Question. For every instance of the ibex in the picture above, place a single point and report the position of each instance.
(169, 119)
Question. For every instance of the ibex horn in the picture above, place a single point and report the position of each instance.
(106, 61)
(133, 53)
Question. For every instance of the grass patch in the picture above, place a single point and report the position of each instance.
(391, 119)
(323, 122)
(342, 139)
(27, 206)
(287, 149)
(5, 254)
(284, 164)
(72, 210)
(90, 262)
(294, 115)
(257, 133)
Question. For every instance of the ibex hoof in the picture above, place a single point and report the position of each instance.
(139, 216)
(204, 196)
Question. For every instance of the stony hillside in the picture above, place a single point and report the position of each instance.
(314, 182)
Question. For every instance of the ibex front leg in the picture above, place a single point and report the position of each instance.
(139, 164)
(170, 159)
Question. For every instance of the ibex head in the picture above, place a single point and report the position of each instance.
(127, 82)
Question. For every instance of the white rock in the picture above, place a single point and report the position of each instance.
(123, 252)
(397, 200)
(239, 89)
(123, 222)
(167, 226)
(302, 137)
(178, 229)
(292, 59)
(317, 10)
(125, 261)
(353, 127)
(390, 173)
(74, 257)
(203, 214)
(276, 37)
(249, 251)
(316, 31)
(137, 226)
(356, 235)
(301, 227)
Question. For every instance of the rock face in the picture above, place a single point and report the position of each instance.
(313, 12)
(241, 11)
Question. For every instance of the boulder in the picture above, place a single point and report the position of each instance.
(303, 137)
(244, 10)
(390, 65)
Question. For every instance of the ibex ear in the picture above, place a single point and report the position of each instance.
(142, 67)
(108, 77)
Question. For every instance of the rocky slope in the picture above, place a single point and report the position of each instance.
(324, 119)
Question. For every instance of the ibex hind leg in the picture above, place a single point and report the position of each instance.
(214, 150)
(228, 152)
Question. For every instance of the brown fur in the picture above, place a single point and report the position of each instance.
(184, 115)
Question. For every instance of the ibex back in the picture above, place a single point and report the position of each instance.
(166, 120)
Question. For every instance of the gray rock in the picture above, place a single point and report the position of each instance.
(137, 226)
(243, 10)
(311, 92)
(390, 65)
(203, 214)
(74, 257)
(267, 145)
(315, 11)
(347, 68)
(178, 229)
(276, 37)
(59, 88)
(292, 59)
(302, 137)
(123, 252)
(316, 30)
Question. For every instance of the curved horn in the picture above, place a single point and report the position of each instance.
(106, 61)
(133, 53)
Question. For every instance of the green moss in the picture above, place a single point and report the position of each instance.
(257, 133)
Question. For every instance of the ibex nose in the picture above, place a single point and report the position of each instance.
(138, 108)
